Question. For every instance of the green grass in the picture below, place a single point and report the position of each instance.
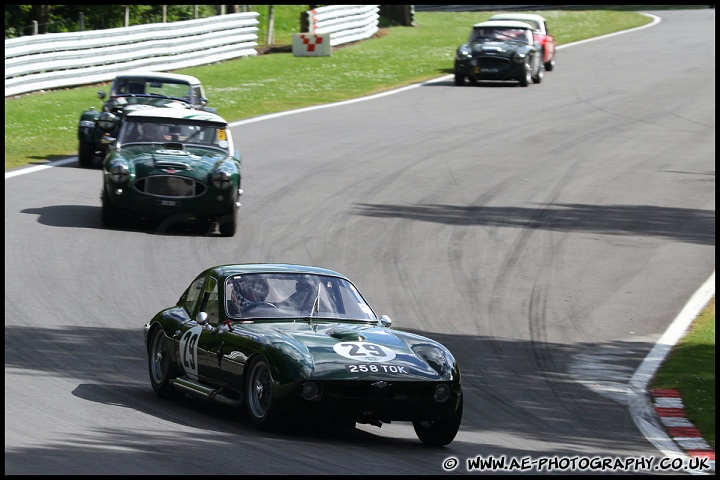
(690, 369)
(42, 127)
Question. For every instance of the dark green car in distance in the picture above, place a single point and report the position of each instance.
(290, 342)
(131, 91)
(177, 165)
(499, 50)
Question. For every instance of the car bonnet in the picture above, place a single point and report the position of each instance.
(149, 159)
(336, 350)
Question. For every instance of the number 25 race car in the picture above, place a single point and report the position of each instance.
(288, 342)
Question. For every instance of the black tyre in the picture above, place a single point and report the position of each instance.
(227, 224)
(86, 154)
(111, 216)
(527, 78)
(540, 74)
(550, 66)
(459, 80)
(160, 365)
(438, 433)
(259, 400)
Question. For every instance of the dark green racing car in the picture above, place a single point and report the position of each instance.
(288, 342)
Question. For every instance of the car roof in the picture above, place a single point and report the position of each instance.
(518, 16)
(241, 268)
(176, 114)
(503, 24)
(179, 77)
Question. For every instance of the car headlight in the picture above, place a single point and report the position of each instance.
(119, 173)
(221, 179)
(519, 57)
(463, 52)
(107, 121)
(87, 123)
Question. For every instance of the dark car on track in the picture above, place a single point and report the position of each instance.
(288, 342)
(173, 164)
(542, 35)
(499, 50)
(132, 91)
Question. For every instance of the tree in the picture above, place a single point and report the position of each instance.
(66, 18)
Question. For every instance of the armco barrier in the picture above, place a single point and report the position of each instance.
(57, 60)
(345, 23)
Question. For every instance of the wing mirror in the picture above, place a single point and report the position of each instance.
(202, 318)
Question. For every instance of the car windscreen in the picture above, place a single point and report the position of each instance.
(149, 86)
(163, 131)
(282, 295)
(499, 34)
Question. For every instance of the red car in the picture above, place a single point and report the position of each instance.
(540, 31)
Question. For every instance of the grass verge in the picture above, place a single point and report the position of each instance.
(690, 369)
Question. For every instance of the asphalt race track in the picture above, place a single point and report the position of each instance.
(547, 235)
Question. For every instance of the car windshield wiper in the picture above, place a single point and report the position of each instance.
(316, 305)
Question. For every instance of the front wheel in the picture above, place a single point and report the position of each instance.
(540, 74)
(261, 405)
(227, 224)
(526, 78)
(439, 433)
(550, 66)
(111, 216)
(160, 365)
(86, 154)
(459, 79)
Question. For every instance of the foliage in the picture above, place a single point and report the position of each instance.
(66, 18)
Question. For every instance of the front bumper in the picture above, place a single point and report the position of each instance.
(211, 204)
(490, 68)
(365, 402)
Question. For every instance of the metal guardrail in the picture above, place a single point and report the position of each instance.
(56, 60)
(345, 23)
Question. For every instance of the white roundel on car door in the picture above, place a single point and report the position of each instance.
(189, 351)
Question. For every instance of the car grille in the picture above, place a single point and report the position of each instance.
(170, 186)
(492, 62)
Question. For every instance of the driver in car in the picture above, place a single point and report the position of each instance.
(246, 294)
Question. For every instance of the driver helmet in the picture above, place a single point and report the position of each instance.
(251, 290)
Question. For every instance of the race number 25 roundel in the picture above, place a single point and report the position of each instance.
(364, 351)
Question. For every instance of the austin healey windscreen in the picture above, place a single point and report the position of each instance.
(292, 296)
(500, 34)
(189, 134)
(151, 86)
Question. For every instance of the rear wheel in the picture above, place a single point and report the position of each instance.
(86, 154)
(439, 433)
(160, 366)
(261, 405)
